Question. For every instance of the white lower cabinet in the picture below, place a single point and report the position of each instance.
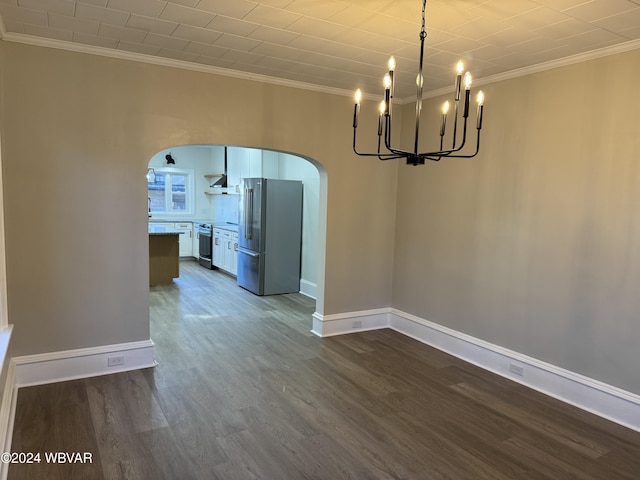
(225, 250)
(186, 242)
(195, 241)
(231, 253)
(218, 250)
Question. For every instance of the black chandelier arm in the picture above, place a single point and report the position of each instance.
(471, 155)
(399, 153)
(390, 157)
(387, 138)
(433, 156)
(448, 153)
(379, 155)
(438, 154)
(427, 155)
(393, 155)
(455, 123)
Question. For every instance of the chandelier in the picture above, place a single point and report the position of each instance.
(385, 117)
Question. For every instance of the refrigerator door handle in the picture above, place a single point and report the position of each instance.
(247, 252)
(246, 212)
(251, 213)
(248, 218)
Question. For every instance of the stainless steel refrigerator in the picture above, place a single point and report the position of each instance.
(270, 235)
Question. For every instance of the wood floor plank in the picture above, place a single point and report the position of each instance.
(243, 390)
(568, 436)
(55, 418)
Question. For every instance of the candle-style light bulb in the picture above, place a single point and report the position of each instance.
(358, 96)
(467, 81)
(389, 84)
(443, 123)
(382, 108)
(467, 93)
(386, 81)
(356, 109)
(480, 99)
(459, 70)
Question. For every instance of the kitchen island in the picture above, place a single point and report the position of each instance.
(163, 254)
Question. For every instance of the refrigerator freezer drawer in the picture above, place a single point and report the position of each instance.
(250, 268)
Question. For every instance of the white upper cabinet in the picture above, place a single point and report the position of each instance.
(249, 163)
(237, 167)
(270, 164)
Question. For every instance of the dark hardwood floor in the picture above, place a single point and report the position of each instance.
(243, 390)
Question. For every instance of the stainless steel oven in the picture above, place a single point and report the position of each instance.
(205, 239)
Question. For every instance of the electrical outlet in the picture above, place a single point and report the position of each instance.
(115, 361)
(517, 369)
(356, 324)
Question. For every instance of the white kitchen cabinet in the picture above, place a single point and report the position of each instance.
(195, 241)
(186, 233)
(237, 167)
(270, 164)
(234, 253)
(249, 163)
(230, 260)
(255, 163)
(225, 250)
(218, 248)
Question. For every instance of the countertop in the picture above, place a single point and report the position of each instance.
(162, 230)
(232, 227)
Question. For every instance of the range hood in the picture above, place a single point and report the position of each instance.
(222, 181)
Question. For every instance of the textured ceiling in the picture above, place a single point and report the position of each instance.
(334, 43)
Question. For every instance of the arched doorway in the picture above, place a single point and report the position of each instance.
(183, 190)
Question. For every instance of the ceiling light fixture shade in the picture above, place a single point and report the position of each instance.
(384, 120)
(151, 175)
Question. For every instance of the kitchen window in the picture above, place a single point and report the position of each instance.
(172, 192)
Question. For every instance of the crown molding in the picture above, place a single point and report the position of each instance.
(166, 62)
(541, 67)
(227, 72)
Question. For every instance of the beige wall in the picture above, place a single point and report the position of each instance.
(534, 245)
(294, 168)
(78, 133)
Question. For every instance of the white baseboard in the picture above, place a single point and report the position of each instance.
(308, 288)
(7, 409)
(599, 398)
(9, 396)
(7, 416)
(341, 323)
(82, 363)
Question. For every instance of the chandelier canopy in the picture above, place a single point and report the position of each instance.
(415, 157)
